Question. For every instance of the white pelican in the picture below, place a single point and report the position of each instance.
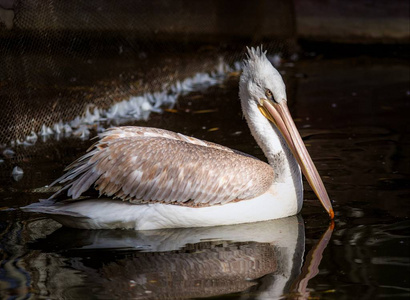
(151, 178)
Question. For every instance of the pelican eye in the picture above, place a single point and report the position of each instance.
(269, 95)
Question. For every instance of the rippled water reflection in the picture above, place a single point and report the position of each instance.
(180, 263)
(353, 116)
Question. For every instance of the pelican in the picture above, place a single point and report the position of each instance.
(150, 178)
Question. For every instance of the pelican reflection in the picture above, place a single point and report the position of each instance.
(261, 260)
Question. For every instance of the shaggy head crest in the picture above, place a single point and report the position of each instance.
(255, 55)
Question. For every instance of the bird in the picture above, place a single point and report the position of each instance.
(150, 178)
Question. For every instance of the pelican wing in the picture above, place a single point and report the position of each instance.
(146, 165)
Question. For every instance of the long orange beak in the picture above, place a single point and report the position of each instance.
(279, 114)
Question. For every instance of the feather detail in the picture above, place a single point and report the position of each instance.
(142, 165)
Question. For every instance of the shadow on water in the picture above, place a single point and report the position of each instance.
(352, 114)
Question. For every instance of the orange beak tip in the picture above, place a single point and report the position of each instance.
(331, 214)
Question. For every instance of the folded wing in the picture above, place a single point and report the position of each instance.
(148, 165)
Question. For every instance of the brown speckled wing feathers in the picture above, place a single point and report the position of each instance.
(145, 165)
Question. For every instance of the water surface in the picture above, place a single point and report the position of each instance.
(352, 114)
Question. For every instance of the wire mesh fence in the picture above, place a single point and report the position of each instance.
(67, 66)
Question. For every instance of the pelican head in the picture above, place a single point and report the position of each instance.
(263, 97)
(260, 79)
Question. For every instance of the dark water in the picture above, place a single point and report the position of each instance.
(353, 115)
